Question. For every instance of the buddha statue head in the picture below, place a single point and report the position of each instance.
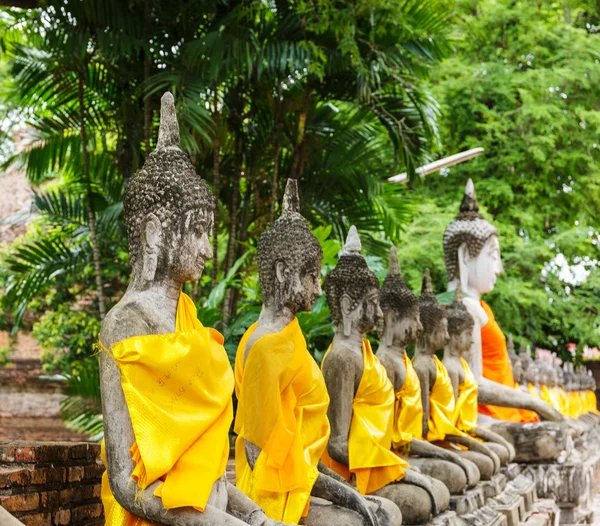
(352, 291)
(168, 211)
(515, 361)
(433, 318)
(460, 324)
(525, 359)
(400, 324)
(289, 259)
(471, 248)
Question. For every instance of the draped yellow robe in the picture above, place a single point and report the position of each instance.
(408, 409)
(465, 409)
(592, 402)
(441, 405)
(370, 438)
(282, 409)
(178, 389)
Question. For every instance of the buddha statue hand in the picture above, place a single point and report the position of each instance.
(344, 495)
(416, 479)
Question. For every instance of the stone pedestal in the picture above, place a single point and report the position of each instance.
(471, 501)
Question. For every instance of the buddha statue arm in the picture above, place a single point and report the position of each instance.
(426, 383)
(421, 481)
(424, 449)
(474, 445)
(339, 375)
(493, 393)
(490, 436)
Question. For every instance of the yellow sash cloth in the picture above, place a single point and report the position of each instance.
(370, 438)
(592, 402)
(533, 390)
(528, 416)
(282, 409)
(465, 409)
(550, 396)
(178, 389)
(441, 405)
(574, 404)
(408, 410)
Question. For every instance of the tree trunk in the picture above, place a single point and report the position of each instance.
(216, 190)
(276, 153)
(91, 212)
(147, 108)
(233, 212)
(298, 161)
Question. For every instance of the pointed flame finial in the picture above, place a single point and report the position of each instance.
(469, 202)
(352, 245)
(291, 198)
(426, 287)
(393, 266)
(168, 132)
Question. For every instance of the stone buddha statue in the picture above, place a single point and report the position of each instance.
(361, 410)
(472, 257)
(399, 328)
(281, 418)
(166, 380)
(437, 393)
(460, 331)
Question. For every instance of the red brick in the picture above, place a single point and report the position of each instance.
(14, 476)
(61, 517)
(25, 502)
(82, 513)
(97, 491)
(93, 471)
(50, 499)
(39, 519)
(47, 475)
(85, 450)
(76, 473)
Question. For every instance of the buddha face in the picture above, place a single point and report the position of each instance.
(299, 289)
(178, 251)
(479, 273)
(365, 316)
(439, 338)
(402, 329)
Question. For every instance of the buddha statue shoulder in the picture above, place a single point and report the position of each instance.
(281, 418)
(436, 387)
(472, 258)
(361, 410)
(400, 327)
(165, 379)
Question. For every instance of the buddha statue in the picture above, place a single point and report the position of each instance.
(399, 327)
(361, 410)
(166, 380)
(460, 331)
(281, 418)
(472, 258)
(437, 394)
(519, 365)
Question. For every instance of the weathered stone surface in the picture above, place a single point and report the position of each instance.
(525, 488)
(543, 441)
(471, 501)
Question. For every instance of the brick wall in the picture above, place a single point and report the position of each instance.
(51, 483)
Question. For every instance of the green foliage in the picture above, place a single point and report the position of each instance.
(67, 338)
(524, 84)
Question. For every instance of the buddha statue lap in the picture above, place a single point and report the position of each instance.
(400, 327)
(361, 409)
(460, 331)
(166, 422)
(472, 257)
(436, 388)
(281, 419)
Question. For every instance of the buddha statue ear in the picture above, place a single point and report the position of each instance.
(463, 266)
(389, 324)
(346, 308)
(152, 243)
(281, 271)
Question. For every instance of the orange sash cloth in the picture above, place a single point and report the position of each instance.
(178, 390)
(408, 409)
(282, 409)
(370, 437)
(496, 367)
(529, 416)
(441, 405)
(465, 410)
